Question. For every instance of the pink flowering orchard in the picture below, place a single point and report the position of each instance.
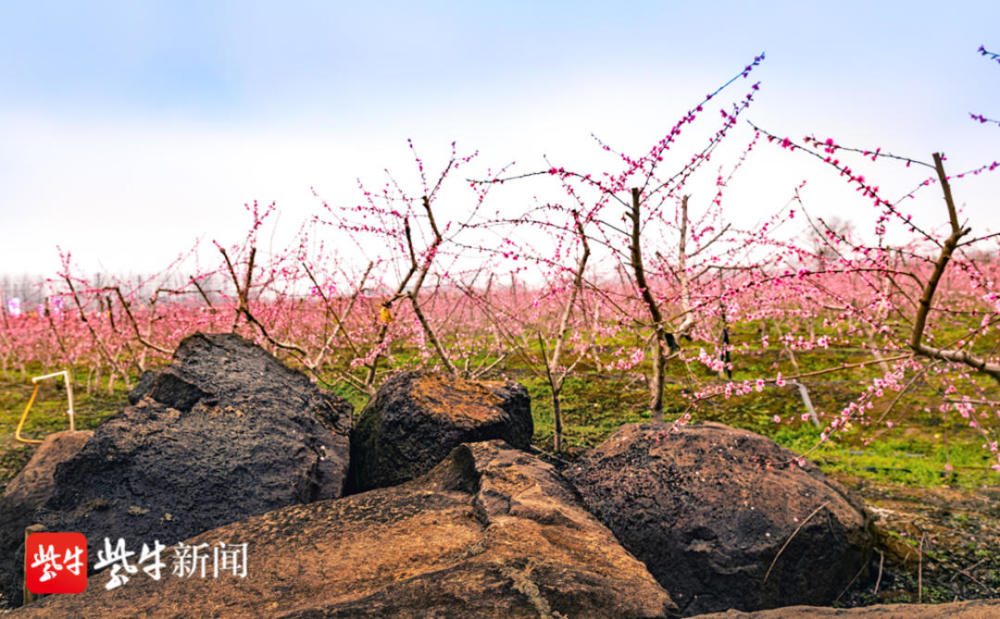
(635, 270)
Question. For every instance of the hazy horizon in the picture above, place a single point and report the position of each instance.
(129, 131)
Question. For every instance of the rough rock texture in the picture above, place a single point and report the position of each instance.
(490, 532)
(28, 491)
(33, 485)
(225, 432)
(974, 609)
(709, 507)
(417, 418)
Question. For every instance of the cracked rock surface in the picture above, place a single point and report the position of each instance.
(225, 432)
(490, 532)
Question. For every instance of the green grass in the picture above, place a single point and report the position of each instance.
(902, 460)
(594, 404)
(592, 409)
(48, 412)
(914, 452)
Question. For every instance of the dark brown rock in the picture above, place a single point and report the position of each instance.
(33, 485)
(490, 532)
(973, 609)
(223, 433)
(417, 418)
(28, 491)
(709, 507)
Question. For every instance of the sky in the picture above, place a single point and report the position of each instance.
(130, 129)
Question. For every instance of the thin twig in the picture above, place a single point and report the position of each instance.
(135, 325)
(920, 569)
(881, 562)
(201, 291)
(861, 569)
(789, 540)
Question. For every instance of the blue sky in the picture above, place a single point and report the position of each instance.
(128, 129)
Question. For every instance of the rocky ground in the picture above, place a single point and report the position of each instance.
(958, 530)
(961, 559)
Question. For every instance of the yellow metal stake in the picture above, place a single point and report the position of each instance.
(69, 396)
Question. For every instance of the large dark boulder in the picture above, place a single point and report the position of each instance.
(491, 532)
(972, 609)
(33, 485)
(25, 493)
(417, 418)
(708, 509)
(225, 432)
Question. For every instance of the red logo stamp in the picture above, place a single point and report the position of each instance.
(56, 562)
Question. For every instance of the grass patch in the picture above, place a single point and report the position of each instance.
(915, 452)
(48, 413)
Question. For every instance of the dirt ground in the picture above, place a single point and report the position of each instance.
(934, 544)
